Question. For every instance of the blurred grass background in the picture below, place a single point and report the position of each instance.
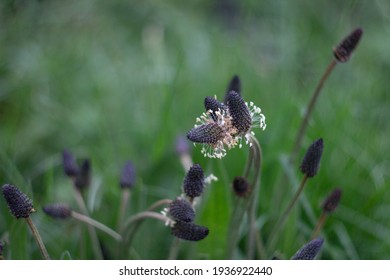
(118, 80)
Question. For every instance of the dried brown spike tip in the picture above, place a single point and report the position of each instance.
(58, 210)
(189, 231)
(332, 201)
(344, 50)
(209, 133)
(18, 203)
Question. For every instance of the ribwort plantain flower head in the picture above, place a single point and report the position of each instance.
(189, 231)
(181, 210)
(58, 210)
(127, 179)
(332, 201)
(194, 181)
(241, 186)
(344, 50)
(311, 161)
(69, 164)
(224, 126)
(18, 203)
(83, 177)
(310, 250)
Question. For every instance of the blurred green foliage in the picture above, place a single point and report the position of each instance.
(118, 80)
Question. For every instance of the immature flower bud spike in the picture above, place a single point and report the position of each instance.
(235, 84)
(127, 179)
(312, 158)
(194, 181)
(344, 50)
(58, 210)
(189, 231)
(69, 164)
(84, 175)
(239, 112)
(181, 210)
(18, 203)
(310, 250)
(210, 103)
(209, 133)
(240, 186)
(332, 201)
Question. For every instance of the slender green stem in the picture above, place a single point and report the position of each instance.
(92, 233)
(159, 203)
(275, 232)
(319, 226)
(309, 110)
(96, 224)
(38, 239)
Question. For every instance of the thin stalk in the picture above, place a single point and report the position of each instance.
(91, 230)
(159, 203)
(96, 224)
(186, 161)
(38, 239)
(319, 226)
(123, 207)
(309, 110)
(175, 247)
(282, 219)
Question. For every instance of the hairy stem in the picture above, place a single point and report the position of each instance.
(38, 239)
(309, 110)
(275, 232)
(96, 224)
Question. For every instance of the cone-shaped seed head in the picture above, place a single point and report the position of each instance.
(344, 50)
(58, 210)
(189, 231)
(332, 201)
(310, 250)
(83, 177)
(18, 203)
(239, 112)
(210, 103)
(312, 158)
(235, 84)
(209, 133)
(240, 186)
(127, 179)
(181, 210)
(194, 181)
(69, 164)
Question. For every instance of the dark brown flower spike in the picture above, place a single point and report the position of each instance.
(194, 181)
(58, 210)
(213, 105)
(127, 179)
(181, 210)
(18, 203)
(209, 133)
(189, 231)
(241, 117)
(310, 250)
(344, 50)
(69, 164)
(83, 177)
(311, 161)
(332, 201)
(240, 186)
(235, 85)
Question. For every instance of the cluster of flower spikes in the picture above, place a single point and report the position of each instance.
(181, 210)
(225, 125)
